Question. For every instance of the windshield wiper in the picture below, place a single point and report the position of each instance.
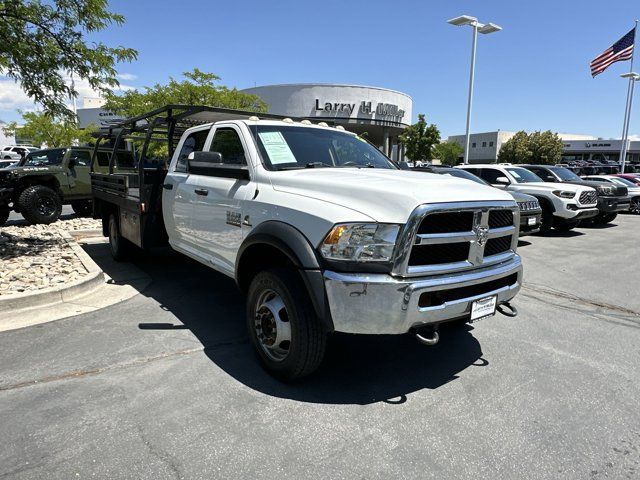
(308, 165)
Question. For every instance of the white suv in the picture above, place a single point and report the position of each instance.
(16, 152)
(563, 205)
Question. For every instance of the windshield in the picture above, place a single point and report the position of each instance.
(565, 174)
(44, 157)
(623, 182)
(523, 175)
(286, 148)
(466, 175)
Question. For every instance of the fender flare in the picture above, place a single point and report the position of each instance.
(297, 248)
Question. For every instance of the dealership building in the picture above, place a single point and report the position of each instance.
(485, 147)
(379, 113)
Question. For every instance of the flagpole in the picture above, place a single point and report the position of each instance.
(627, 110)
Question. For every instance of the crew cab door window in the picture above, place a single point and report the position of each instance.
(544, 174)
(228, 144)
(491, 175)
(81, 158)
(193, 143)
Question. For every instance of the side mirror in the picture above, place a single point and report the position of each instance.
(72, 162)
(504, 181)
(210, 164)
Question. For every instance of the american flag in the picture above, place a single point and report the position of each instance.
(618, 52)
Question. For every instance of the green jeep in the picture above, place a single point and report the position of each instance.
(45, 180)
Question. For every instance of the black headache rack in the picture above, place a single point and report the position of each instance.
(128, 181)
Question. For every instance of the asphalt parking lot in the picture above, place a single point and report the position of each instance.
(165, 385)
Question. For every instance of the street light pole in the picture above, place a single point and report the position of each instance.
(633, 78)
(472, 73)
(484, 29)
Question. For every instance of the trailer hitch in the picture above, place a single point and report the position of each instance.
(507, 309)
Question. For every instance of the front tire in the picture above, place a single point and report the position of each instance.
(40, 204)
(635, 206)
(605, 218)
(283, 326)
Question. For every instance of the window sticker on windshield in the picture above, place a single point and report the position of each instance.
(277, 148)
(515, 174)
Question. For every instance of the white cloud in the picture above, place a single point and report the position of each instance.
(13, 98)
(126, 76)
(634, 138)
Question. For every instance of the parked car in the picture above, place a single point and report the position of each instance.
(563, 206)
(16, 152)
(633, 188)
(611, 198)
(530, 210)
(318, 227)
(45, 180)
(632, 177)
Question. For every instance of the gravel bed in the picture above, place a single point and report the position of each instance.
(37, 256)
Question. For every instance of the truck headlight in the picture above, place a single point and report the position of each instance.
(360, 242)
(564, 193)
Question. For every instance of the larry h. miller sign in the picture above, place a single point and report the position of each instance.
(384, 111)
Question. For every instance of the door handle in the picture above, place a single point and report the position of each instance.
(201, 191)
(167, 186)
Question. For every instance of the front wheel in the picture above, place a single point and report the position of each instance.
(283, 326)
(635, 206)
(40, 204)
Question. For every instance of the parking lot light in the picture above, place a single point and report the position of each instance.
(484, 28)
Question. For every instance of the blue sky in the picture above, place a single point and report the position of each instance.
(532, 75)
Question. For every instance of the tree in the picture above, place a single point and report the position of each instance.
(538, 147)
(546, 148)
(419, 140)
(42, 128)
(448, 152)
(44, 41)
(198, 88)
(516, 149)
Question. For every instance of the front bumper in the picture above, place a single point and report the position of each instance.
(382, 304)
(614, 204)
(525, 226)
(579, 213)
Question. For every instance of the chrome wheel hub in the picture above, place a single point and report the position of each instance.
(272, 326)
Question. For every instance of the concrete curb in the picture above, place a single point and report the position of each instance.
(47, 296)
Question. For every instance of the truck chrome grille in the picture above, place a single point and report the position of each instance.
(500, 218)
(588, 197)
(447, 222)
(498, 245)
(439, 253)
(451, 237)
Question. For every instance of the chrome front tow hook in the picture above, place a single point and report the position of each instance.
(428, 340)
(510, 312)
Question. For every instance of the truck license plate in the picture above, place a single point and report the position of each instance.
(531, 221)
(483, 308)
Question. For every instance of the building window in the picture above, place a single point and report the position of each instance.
(473, 145)
(484, 144)
(491, 144)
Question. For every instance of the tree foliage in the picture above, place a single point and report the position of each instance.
(419, 140)
(198, 88)
(448, 153)
(42, 42)
(538, 147)
(43, 129)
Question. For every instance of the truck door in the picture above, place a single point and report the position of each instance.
(78, 173)
(178, 192)
(217, 218)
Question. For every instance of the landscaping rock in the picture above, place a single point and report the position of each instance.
(37, 256)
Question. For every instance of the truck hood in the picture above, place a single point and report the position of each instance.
(550, 187)
(385, 195)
